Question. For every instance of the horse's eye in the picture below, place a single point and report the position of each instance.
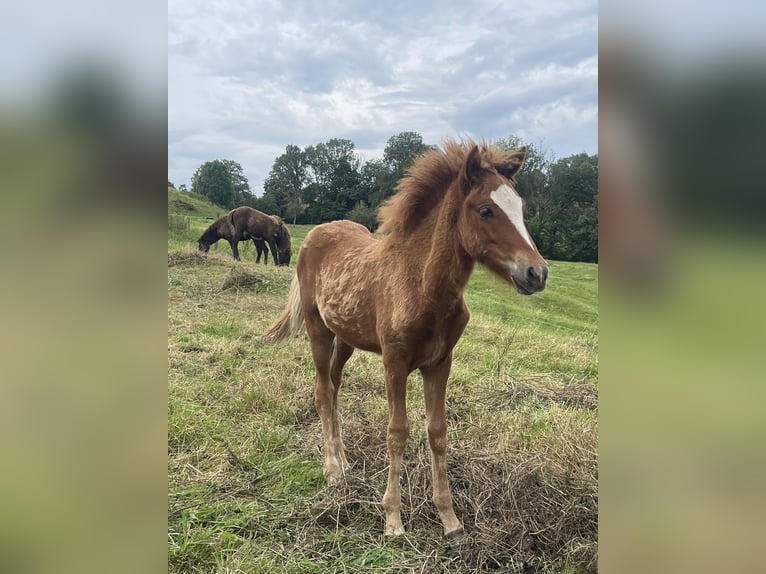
(485, 211)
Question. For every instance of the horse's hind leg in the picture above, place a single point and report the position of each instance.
(341, 353)
(321, 339)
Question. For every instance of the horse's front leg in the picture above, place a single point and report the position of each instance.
(273, 246)
(235, 248)
(434, 390)
(398, 432)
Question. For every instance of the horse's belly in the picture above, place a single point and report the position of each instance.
(349, 320)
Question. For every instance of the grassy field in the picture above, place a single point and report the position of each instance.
(246, 492)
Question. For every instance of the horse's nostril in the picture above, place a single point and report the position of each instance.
(537, 276)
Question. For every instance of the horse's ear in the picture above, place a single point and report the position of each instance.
(472, 167)
(513, 162)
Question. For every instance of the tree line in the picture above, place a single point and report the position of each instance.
(329, 181)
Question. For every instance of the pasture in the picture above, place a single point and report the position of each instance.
(246, 491)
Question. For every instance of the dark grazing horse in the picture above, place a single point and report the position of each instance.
(244, 223)
(402, 296)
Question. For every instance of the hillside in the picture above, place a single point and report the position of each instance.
(192, 205)
(188, 216)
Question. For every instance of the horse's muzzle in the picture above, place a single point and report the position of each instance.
(530, 278)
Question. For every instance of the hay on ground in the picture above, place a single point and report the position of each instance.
(522, 513)
(185, 258)
(239, 278)
(575, 393)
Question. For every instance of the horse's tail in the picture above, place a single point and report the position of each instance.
(290, 323)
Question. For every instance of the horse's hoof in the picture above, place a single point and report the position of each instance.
(455, 536)
(394, 531)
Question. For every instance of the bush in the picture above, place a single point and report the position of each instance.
(367, 216)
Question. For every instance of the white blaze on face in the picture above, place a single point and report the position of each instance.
(510, 202)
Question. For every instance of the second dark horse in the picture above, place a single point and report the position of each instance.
(244, 223)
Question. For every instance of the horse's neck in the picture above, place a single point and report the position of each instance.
(447, 266)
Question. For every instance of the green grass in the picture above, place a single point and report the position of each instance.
(246, 492)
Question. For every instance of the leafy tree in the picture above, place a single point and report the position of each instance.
(324, 159)
(575, 178)
(376, 182)
(333, 173)
(284, 185)
(378, 178)
(242, 193)
(213, 180)
(328, 181)
(398, 155)
(573, 190)
(402, 149)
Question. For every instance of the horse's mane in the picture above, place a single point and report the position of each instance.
(428, 179)
(286, 238)
(213, 232)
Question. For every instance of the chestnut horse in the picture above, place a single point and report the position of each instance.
(402, 296)
(245, 223)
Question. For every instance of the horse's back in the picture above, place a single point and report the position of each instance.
(336, 248)
(246, 217)
(249, 223)
(343, 233)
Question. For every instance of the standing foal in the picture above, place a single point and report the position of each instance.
(402, 296)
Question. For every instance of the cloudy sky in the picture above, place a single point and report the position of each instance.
(248, 77)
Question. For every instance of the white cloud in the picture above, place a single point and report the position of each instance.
(248, 78)
(555, 74)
